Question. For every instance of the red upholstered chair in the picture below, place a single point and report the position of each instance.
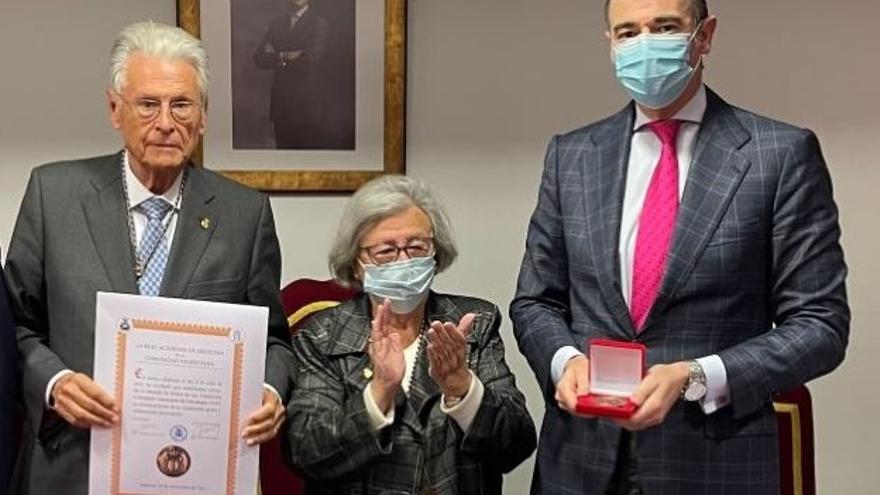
(794, 417)
(304, 296)
(300, 299)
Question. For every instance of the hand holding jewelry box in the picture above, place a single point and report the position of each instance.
(616, 369)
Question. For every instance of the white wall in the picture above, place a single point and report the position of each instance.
(489, 82)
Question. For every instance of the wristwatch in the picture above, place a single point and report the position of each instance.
(695, 388)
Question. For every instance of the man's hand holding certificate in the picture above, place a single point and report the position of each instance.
(186, 379)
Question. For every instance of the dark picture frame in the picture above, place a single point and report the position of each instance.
(301, 179)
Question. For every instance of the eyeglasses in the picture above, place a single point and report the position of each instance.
(182, 110)
(417, 247)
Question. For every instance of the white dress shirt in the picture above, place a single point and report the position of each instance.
(296, 16)
(463, 413)
(644, 155)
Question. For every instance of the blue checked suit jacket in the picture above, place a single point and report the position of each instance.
(756, 275)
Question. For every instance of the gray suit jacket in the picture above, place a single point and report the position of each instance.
(71, 241)
(755, 274)
(329, 436)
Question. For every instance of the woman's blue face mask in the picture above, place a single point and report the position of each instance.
(655, 68)
(404, 283)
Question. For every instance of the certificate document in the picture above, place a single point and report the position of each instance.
(186, 375)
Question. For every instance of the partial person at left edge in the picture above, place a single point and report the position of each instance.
(140, 221)
(8, 388)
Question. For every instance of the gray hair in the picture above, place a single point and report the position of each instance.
(376, 200)
(697, 9)
(157, 40)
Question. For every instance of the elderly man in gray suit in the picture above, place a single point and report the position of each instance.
(701, 230)
(142, 221)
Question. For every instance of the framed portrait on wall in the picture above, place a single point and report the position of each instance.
(305, 95)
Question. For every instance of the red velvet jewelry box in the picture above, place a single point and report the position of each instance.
(616, 369)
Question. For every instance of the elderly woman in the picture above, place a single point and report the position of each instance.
(403, 390)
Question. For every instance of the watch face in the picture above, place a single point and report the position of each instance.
(695, 391)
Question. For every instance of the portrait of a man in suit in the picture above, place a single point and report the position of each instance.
(293, 74)
(706, 232)
(142, 220)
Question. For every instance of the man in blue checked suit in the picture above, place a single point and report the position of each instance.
(701, 230)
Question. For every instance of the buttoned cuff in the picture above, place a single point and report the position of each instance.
(378, 420)
(466, 410)
(49, 402)
(560, 359)
(270, 388)
(717, 388)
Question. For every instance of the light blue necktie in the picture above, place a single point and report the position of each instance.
(154, 246)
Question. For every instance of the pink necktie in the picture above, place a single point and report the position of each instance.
(656, 225)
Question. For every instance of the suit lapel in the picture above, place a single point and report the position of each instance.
(197, 221)
(107, 223)
(604, 181)
(716, 173)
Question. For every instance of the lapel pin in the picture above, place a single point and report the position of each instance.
(205, 222)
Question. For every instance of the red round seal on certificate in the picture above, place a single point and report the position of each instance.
(173, 461)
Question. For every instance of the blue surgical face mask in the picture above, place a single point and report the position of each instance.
(654, 68)
(404, 283)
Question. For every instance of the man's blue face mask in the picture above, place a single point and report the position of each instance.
(654, 68)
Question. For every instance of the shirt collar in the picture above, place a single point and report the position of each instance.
(138, 193)
(692, 112)
(299, 13)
